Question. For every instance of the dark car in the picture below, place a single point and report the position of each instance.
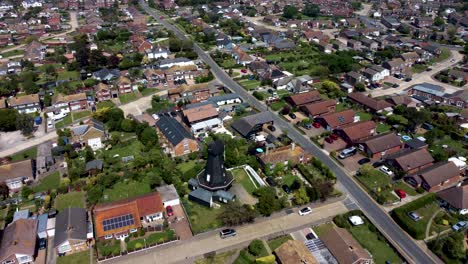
(395, 85)
(42, 243)
(286, 189)
(408, 79)
(428, 69)
(363, 161)
(292, 115)
(329, 140)
(272, 128)
(307, 126)
(271, 181)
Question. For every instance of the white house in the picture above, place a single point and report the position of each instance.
(157, 53)
(31, 3)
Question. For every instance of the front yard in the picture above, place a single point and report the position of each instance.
(105, 104)
(30, 153)
(66, 121)
(81, 114)
(70, 200)
(76, 258)
(126, 98)
(201, 217)
(150, 240)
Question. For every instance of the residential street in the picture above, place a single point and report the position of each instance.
(374, 212)
(188, 250)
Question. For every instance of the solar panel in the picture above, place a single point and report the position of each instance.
(341, 119)
(118, 222)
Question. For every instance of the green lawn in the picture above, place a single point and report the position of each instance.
(438, 226)
(249, 84)
(108, 247)
(382, 128)
(379, 184)
(77, 258)
(186, 166)
(455, 145)
(50, 182)
(240, 175)
(220, 258)
(81, 114)
(201, 217)
(68, 76)
(160, 237)
(418, 68)
(289, 179)
(365, 116)
(126, 98)
(323, 228)
(277, 242)
(276, 106)
(229, 63)
(123, 190)
(71, 199)
(149, 91)
(30, 153)
(445, 54)
(64, 122)
(128, 148)
(104, 104)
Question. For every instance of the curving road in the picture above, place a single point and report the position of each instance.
(406, 246)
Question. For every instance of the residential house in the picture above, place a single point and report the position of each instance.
(431, 48)
(354, 78)
(395, 66)
(119, 219)
(390, 22)
(298, 100)
(169, 195)
(315, 109)
(176, 140)
(336, 120)
(168, 63)
(410, 58)
(353, 44)
(241, 57)
(25, 104)
(439, 94)
(105, 74)
(15, 174)
(458, 99)
(259, 67)
(31, 3)
(123, 85)
(250, 125)
(35, 51)
(344, 248)
(316, 37)
(73, 231)
(370, 44)
(380, 145)
(44, 158)
(157, 53)
(300, 84)
(197, 114)
(192, 93)
(283, 44)
(72, 102)
(294, 252)
(103, 92)
(422, 22)
(410, 161)
(94, 167)
(458, 76)
(456, 197)
(285, 155)
(436, 177)
(154, 78)
(354, 132)
(369, 103)
(402, 100)
(54, 22)
(19, 242)
(90, 134)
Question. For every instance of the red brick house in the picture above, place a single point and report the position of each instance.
(380, 145)
(355, 131)
(301, 99)
(436, 177)
(175, 139)
(336, 120)
(319, 108)
(410, 160)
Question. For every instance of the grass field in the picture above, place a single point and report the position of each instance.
(81, 114)
(201, 217)
(123, 190)
(50, 182)
(64, 122)
(276, 106)
(126, 98)
(241, 177)
(105, 104)
(72, 199)
(277, 242)
(249, 84)
(77, 258)
(131, 147)
(30, 153)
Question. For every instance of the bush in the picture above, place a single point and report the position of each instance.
(420, 189)
(256, 247)
(260, 96)
(141, 232)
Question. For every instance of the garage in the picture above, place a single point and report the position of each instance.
(169, 195)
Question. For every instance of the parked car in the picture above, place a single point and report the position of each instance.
(244, 70)
(305, 211)
(329, 140)
(292, 115)
(307, 125)
(271, 181)
(400, 193)
(386, 170)
(229, 232)
(414, 216)
(377, 164)
(272, 128)
(42, 243)
(348, 153)
(408, 79)
(363, 161)
(428, 69)
(395, 85)
(169, 211)
(316, 124)
(50, 124)
(334, 136)
(459, 226)
(286, 188)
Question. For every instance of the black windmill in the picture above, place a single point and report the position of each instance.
(215, 177)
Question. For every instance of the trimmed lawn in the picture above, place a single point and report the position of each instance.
(66, 121)
(160, 237)
(277, 242)
(126, 98)
(186, 166)
(81, 114)
(123, 190)
(418, 68)
(445, 54)
(148, 91)
(249, 84)
(105, 104)
(50, 182)
(289, 179)
(322, 229)
(364, 116)
(68, 75)
(77, 258)
(382, 128)
(405, 187)
(220, 258)
(243, 178)
(131, 147)
(25, 154)
(276, 106)
(229, 63)
(71, 199)
(201, 217)
(379, 184)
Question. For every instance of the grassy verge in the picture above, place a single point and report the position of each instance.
(249, 84)
(277, 242)
(66, 121)
(105, 104)
(220, 258)
(81, 114)
(126, 98)
(322, 229)
(243, 178)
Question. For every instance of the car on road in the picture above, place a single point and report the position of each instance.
(414, 216)
(386, 170)
(305, 211)
(286, 188)
(42, 243)
(459, 226)
(228, 232)
(348, 153)
(272, 128)
(292, 115)
(271, 181)
(316, 124)
(363, 161)
(169, 211)
(400, 193)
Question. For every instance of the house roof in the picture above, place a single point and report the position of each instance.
(456, 196)
(400, 100)
(172, 130)
(19, 238)
(358, 130)
(319, 108)
(382, 142)
(338, 119)
(343, 246)
(415, 143)
(411, 159)
(17, 169)
(433, 89)
(200, 113)
(371, 103)
(83, 129)
(304, 98)
(94, 165)
(294, 252)
(439, 173)
(70, 224)
(245, 125)
(22, 100)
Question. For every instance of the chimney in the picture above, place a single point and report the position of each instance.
(293, 146)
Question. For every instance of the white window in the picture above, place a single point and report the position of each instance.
(108, 237)
(133, 230)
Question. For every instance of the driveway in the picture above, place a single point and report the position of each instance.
(336, 145)
(242, 195)
(51, 256)
(179, 222)
(351, 163)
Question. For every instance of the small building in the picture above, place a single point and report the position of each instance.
(71, 232)
(380, 145)
(198, 114)
(436, 177)
(15, 174)
(344, 247)
(336, 120)
(456, 197)
(252, 124)
(169, 195)
(294, 252)
(284, 155)
(395, 66)
(410, 160)
(319, 108)
(354, 132)
(44, 159)
(176, 140)
(103, 92)
(93, 167)
(301, 99)
(19, 242)
(25, 104)
(106, 74)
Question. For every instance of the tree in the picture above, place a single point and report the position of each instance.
(26, 191)
(8, 119)
(256, 247)
(311, 10)
(148, 137)
(267, 202)
(301, 197)
(25, 123)
(235, 213)
(438, 21)
(290, 12)
(360, 87)
(89, 154)
(356, 5)
(50, 71)
(4, 191)
(453, 246)
(127, 125)
(286, 110)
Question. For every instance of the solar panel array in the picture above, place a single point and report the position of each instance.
(341, 119)
(118, 222)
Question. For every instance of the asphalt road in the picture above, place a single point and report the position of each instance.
(380, 218)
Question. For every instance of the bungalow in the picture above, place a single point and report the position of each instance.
(19, 242)
(176, 140)
(119, 219)
(380, 145)
(285, 155)
(250, 125)
(15, 174)
(456, 197)
(402, 100)
(410, 161)
(353, 78)
(73, 231)
(436, 177)
(35, 51)
(198, 114)
(343, 247)
(369, 103)
(354, 132)
(301, 99)
(91, 133)
(315, 109)
(336, 120)
(25, 104)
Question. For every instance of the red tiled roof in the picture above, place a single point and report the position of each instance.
(369, 102)
(304, 98)
(339, 119)
(359, 130)
(319, 108)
